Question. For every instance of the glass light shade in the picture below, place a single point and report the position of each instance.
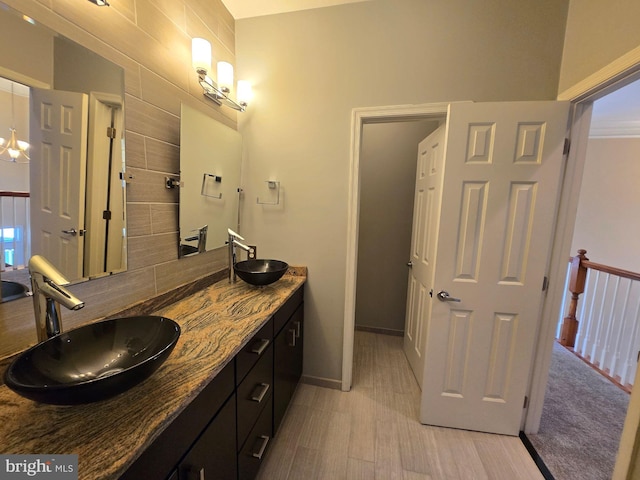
(201, 54)
(244, 92)
(225, 75)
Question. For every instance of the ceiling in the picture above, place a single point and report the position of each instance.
(257, 8)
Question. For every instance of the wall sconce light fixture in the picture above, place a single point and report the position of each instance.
(219, 91)
(100, 3)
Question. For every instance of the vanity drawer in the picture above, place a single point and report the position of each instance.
(254, 350)
(255, 391)
(258, 442)
(281, 317)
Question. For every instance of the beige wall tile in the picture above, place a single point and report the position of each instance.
(152, 250)
(173, 9)
(158, 25)
(150, 187)
(173, 274)
(164, 218)
(162, 94)
(135, 156)
(162, 156)
(138, 219)
(145, 119)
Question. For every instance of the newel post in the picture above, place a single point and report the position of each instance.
(577, 280)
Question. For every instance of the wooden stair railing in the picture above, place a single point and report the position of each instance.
(580, 264)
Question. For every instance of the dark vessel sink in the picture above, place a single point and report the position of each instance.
(187, 249)
(12, 290)
(93, 362)
(260, 272)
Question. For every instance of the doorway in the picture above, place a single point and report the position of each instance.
(561, 238)
(388, 169)
(581, 437)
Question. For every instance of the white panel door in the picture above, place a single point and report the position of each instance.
(58, 137)
(504, 163)
(426, 213)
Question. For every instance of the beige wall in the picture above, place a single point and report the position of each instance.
(606, 225)
(151, 40)
(311, 68)
(388, 162)
(598, 32)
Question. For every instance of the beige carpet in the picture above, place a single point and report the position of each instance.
(581, 422)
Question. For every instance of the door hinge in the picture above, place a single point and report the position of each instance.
(526, 402)
(545, 283)
(111, 132)
(567, 146)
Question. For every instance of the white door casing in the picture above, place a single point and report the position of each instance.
(58, 137)
(426, 215)
(500, 195)
(105, 240)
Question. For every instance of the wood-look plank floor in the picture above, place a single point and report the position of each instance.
(372, 432)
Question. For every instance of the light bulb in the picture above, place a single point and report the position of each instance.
(244, 92)
(201, 55)
(225, 76)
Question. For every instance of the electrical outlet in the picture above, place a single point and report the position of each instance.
(252, 254)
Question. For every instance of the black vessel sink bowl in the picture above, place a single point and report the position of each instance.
(12, 290)
(187, 249)
(260, 271)
(93, 362)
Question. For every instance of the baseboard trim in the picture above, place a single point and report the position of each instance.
(383, 331)
(322, 382)
(537, 459)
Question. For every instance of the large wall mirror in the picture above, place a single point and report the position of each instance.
(64, 196)
(210, 161)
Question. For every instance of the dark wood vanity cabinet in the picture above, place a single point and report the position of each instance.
(225, 433)
(213, 456)
(288, 351)
(193, 429)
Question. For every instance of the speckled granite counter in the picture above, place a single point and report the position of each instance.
(109, 435)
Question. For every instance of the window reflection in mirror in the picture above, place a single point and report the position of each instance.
(210, 160)
(68, 201)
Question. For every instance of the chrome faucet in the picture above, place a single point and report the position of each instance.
(47, 284)
(233, 243)
(201, 237)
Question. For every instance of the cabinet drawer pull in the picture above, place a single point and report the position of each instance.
(264, 388)
(194, 472)
(264, 343)
(263, 447)
(298, 327)
(292, 332)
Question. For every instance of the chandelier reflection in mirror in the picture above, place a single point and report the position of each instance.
(220, 91)
(14, 148)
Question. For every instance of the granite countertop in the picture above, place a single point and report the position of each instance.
(108, 436)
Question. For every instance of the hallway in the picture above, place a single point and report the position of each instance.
(372, 432)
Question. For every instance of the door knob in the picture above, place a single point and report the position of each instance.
(74, 232)
(409, 264)
(444, 296)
